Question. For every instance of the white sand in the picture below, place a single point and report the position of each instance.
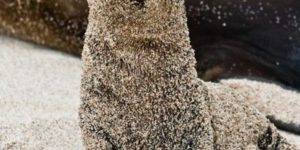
(39, 98)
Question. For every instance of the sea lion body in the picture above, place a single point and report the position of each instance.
(140, 88)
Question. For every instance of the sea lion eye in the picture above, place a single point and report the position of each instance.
(138, 3)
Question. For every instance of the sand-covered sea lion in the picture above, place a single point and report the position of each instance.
(231, 38)
(140, 88)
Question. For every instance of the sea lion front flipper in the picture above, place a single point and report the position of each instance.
(279, 103)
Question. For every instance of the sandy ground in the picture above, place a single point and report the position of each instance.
(39, 98)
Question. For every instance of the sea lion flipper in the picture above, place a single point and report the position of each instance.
(279, 103)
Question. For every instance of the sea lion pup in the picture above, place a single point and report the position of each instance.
(140, 88)
(56, 23)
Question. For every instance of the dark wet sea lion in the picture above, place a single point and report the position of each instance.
(56, 23)
(230, 38)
